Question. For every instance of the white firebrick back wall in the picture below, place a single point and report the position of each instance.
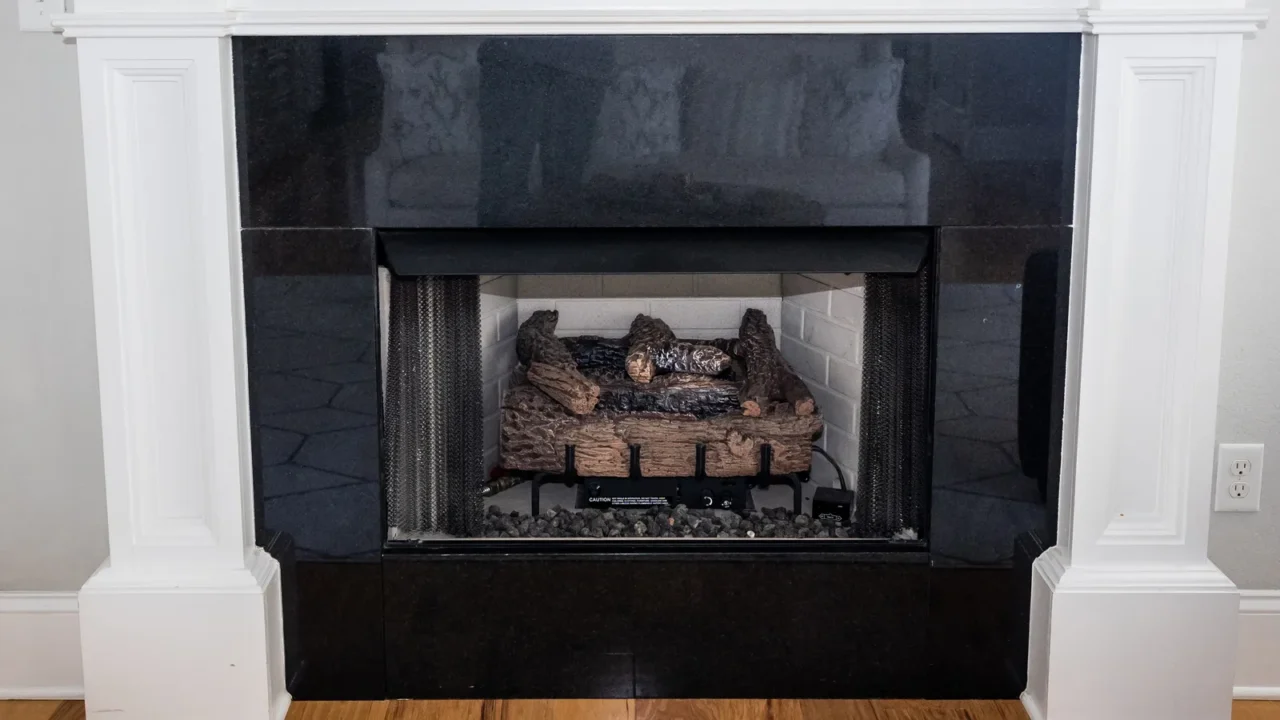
(498, 323)
(822, 339)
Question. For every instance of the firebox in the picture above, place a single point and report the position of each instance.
(696, 418)
(656, 365)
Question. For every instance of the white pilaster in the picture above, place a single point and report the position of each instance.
(183, 621)
(1129, 617)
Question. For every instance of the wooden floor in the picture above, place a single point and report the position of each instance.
(633, 710)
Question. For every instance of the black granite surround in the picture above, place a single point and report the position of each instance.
(312, 318)
(371, 626)
(637, 627)
(995, 114)
(950, 622)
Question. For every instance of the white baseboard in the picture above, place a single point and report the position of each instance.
(40, 634)
(1258, 655)
(1032, 707)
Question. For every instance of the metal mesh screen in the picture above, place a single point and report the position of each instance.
(893, 436)
(432, 413)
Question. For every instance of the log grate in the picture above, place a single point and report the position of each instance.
(699, 490)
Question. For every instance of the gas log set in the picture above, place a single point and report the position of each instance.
(653, 421)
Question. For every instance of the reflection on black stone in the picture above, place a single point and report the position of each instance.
(313, 388)
(1000, 319)
(543, 94)
(657, 130)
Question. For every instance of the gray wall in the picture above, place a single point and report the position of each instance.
(52, 506)
(52, 517)
(1247, 546)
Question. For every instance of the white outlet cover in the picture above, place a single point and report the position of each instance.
(1228, 454)
(34, 15)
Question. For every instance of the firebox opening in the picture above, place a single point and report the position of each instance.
(659, 406)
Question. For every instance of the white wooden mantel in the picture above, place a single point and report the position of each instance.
(1129, 617)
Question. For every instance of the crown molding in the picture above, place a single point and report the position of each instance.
(1164, 21)
(145, 25)
(335, 17)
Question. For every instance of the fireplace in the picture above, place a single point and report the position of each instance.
(766, 328)
(1043, 198)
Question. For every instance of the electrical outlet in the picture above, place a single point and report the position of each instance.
(34, 15)
(1239, 485)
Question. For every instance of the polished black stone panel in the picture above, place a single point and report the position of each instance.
(312, 331)
(1001, 324)
(340, 631)
(468, 625)
(974, 617)
(622, 627)
(465, 131)
(784, 628)
(471, 626)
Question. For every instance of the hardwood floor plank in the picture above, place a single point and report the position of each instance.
(559, 710)
(29, 709)
(69, 710)
(1255, 710)
(436, 710)
(1005, 709)
(355, 710)
(822, 710)
(702, 710)
(949, 710)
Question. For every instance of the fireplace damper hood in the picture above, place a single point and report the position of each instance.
(654, 250)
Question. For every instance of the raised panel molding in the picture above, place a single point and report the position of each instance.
(1149, 310)
(1158, 201)
(168, 453)
(169, 318)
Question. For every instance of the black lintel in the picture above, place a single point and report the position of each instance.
(502, 251)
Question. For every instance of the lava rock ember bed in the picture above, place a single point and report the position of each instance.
(660, 522)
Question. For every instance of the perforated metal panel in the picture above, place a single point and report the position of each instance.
(432, 414)
(894, 454)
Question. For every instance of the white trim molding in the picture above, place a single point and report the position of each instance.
(122, 18)
(40, 634)
(185, 593)
(1258, 656)
(1129, 618)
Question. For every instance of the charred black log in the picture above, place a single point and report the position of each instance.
(591, 352)
(699, 396)
(654, 349)
(684, 356)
